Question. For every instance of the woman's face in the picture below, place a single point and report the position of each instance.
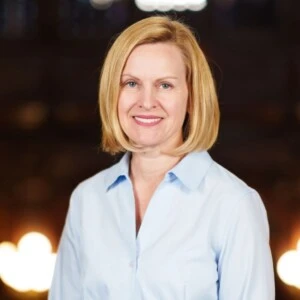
(153, 97)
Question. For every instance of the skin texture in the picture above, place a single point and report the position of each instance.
(154, 94)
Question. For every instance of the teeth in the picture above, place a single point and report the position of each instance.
(147, 121)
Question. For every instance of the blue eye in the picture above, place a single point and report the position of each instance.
(131, 84)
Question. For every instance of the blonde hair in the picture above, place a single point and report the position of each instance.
(201, 126)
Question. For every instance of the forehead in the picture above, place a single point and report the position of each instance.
(155, 57)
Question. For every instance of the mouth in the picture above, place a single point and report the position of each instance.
(147, 120)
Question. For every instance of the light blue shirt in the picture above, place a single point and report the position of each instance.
(204, 236)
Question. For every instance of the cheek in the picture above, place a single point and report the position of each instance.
(125, 103)
(124, 114)
(180, 110)
(122, 107)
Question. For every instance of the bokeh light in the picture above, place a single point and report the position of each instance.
(166, 5)
(31, 115)
(34, 243)
(101, 4)
(30, 265)
(288, 267)
(7, 249)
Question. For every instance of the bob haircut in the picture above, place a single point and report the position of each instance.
(200, 128)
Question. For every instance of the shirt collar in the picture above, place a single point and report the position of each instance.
(118, 172)
(189, 171)
(192, 169)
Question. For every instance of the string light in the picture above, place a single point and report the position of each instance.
(166, 5)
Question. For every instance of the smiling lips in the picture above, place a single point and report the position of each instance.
(147, 120)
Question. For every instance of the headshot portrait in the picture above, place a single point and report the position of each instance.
(166, 221)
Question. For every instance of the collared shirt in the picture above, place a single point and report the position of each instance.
(204, 236)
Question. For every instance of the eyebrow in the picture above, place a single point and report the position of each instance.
(161, 78)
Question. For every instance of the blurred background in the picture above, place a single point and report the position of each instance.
(51, 53)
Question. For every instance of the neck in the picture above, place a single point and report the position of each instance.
(151, 166)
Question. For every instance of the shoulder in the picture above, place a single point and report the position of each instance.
(227, 181)
(236, 203)
(94, 186)
(88, 200)
(227, 186)
(233, 197)
(98, 181)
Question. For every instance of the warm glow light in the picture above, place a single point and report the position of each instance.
(34, 243)
(166, 5)
(30, 265)
(101, 4)
(44, 272)
(16, 275)
(31, 115)
(288, 267)
(7, 250)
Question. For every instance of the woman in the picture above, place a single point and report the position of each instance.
(166, 222)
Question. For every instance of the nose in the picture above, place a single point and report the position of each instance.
(148, 98)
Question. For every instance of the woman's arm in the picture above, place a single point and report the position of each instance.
(245, 263)
(66, 282)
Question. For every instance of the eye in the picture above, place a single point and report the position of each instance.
(165, 86)
(131, 84)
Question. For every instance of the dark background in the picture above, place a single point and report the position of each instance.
(51, 53)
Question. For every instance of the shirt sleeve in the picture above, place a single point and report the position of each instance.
(245, 263)
(66, 279)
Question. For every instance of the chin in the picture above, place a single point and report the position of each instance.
(147, 144)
